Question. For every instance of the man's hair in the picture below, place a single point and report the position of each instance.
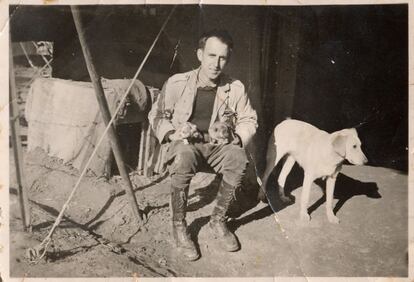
(222, 35)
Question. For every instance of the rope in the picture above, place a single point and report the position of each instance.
(46, 241)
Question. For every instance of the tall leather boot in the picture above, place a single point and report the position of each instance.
(185, 246)
(218, 221)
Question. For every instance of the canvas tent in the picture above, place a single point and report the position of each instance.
(65, 121)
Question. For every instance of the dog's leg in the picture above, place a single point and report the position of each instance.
(270, 160)
(330, 185)
(287, 167)
(307, 183)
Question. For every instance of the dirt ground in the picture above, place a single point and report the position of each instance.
(100, 238)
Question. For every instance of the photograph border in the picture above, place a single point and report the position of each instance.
(4, 137)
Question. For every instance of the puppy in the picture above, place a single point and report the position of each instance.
(319, 153)
(186, 132)
(220, 133)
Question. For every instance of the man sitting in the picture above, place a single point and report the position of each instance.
(201, 97)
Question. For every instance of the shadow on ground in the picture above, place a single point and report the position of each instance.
(345, 188)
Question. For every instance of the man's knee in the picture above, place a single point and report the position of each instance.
(184, 159)
(234, 165)
(235, 157)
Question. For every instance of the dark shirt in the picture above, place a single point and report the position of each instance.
(203, 108)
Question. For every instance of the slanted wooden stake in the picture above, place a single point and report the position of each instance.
(17, 146)
(106, 115)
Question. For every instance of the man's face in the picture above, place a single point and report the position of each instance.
(213, 58)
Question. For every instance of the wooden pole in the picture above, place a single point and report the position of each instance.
(106, 115)
(17, 145)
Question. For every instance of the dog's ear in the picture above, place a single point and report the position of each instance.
(339, 144)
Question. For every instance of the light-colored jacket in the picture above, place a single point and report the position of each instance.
(174, 105)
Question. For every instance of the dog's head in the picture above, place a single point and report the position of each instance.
(347, 144)
(187, 130)
(219, 132)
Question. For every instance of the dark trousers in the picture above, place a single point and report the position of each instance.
(185, 160)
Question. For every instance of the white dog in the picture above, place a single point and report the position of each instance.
(319, 153)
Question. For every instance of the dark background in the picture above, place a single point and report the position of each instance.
(332, 66)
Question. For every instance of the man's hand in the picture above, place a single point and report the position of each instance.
(185, 132)
(167, 137)
(174, 136)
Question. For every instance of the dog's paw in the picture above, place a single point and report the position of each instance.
(333, 219)
(286, 200)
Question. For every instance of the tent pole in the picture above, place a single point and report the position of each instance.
(103, 105)
(17, 146)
